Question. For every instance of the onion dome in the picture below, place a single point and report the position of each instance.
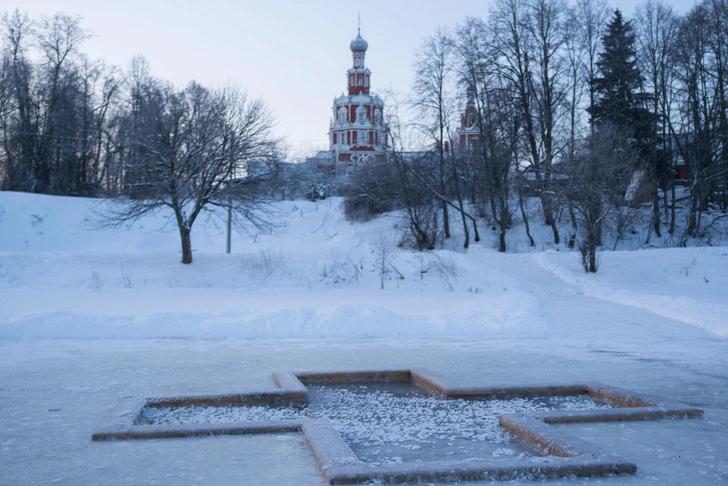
(359, 44)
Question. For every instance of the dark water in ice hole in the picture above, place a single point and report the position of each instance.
(385, 422)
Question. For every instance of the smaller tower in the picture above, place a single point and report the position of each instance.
(359, 74)
(467, 135)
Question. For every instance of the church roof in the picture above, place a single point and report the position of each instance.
(359, 44)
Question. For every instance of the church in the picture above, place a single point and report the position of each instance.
(357, 133)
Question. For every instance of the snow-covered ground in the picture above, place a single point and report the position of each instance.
(88, 316)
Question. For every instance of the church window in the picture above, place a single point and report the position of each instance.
(361, 114)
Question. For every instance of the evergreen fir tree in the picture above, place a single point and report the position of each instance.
(618, 98)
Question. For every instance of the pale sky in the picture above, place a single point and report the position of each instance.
(294, 54)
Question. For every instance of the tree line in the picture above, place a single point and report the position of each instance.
(574, 105)
(72, 126)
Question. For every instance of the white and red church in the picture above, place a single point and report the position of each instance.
(357, 133)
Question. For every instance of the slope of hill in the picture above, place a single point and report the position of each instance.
(316, 275)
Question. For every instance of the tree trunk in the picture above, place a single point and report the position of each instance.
(673, 201)
(184, 234)
(465, 227)
(548, 212)
(656, 216)
(574, 228)
(502, 240)
(445, 220)
(525, 220)
(598, 233)
(592, 250)
(441, 148)
(694, 208)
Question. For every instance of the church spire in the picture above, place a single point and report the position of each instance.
(358, 74)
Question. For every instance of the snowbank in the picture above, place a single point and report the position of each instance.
(688, 284)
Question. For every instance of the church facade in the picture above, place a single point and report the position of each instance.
(358, 133)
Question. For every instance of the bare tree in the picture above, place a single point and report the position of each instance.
(696, 125)
(418, 198)
(50, 117)
(549, 26)
(597, 180)
(59, 38)
(433, 100)
(384, 254)
(718, 12)
(529, 37)
(194, 149)
(496, 119)
(17, 115)
(417, 175)
(104, 96)
(591, 24)
(656, 28)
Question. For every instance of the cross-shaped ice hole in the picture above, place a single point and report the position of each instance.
(393, 422)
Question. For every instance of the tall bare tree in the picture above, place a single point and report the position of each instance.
(59, 38)
(194, 149)
(497, 121)
(656, 29)
(17, 115)
(49, 92)
(591, 24)
(695, 128)
(718, 40)
(528, 36)
(433, 98)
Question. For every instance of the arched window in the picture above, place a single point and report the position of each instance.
(361, 114)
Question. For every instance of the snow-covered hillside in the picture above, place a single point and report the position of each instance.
(317, 275)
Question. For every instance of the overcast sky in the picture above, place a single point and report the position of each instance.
(292, 53)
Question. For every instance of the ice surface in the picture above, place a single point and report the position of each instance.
(384, 421)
